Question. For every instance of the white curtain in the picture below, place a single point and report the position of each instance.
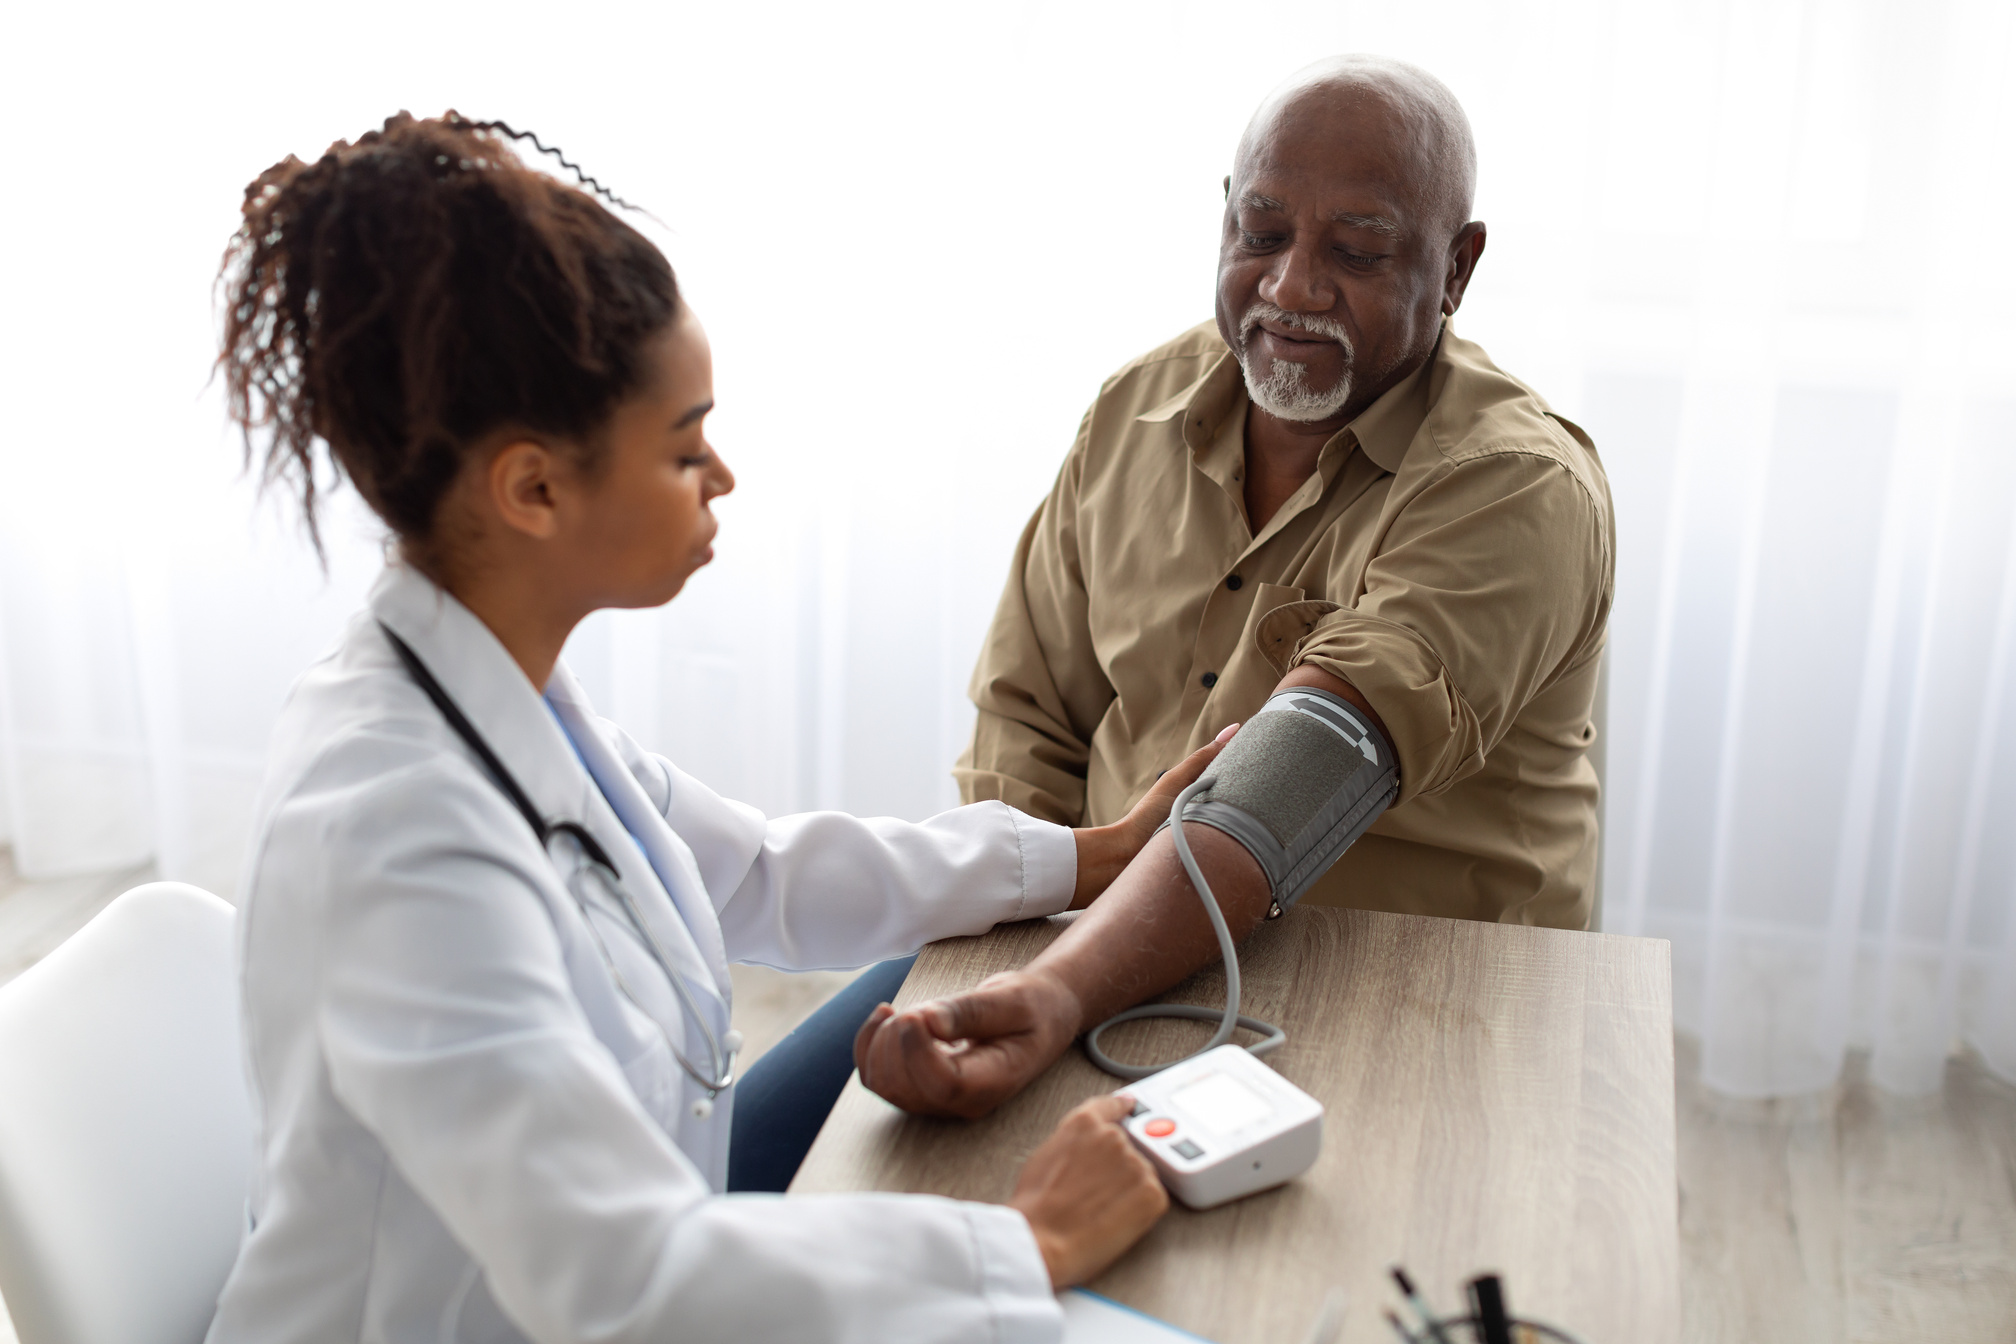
(1754, 246)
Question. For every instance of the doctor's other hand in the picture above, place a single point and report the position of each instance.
(1103, 851)
(965, 1055)
(1088, 1193)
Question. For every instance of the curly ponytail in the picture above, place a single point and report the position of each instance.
(408, 293)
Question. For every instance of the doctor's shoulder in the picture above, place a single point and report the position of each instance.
(365, 783)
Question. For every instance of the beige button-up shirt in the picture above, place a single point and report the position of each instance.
(1451, 558)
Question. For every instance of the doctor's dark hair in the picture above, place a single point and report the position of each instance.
(413, 290)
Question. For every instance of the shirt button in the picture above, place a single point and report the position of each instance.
(1210, 679)
(1235, 583)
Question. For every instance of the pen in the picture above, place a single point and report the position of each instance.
(1420, 1307)
(1487, 1304)
(1406, 1336)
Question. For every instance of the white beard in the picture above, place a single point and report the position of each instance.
(1285, 392)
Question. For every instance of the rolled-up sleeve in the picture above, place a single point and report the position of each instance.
(1490, 579)
(1038, 687)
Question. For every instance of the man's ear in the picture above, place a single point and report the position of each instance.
(521, 481)
(1463, 253)
(1228, 186)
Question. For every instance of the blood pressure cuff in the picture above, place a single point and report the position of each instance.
(1297, 785)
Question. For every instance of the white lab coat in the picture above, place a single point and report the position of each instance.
(466, 1132)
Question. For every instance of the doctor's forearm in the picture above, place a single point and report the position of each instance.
(1103, 854)
(1150, 930)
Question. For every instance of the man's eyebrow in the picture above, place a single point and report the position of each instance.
(694, 414)
(1253, 200)
(1370, 223)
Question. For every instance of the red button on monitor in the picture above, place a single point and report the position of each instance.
(1159, 1129)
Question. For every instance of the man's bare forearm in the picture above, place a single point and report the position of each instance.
(1149, 929)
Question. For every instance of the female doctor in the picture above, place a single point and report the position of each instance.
(486, 937)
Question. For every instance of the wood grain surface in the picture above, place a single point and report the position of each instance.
(1497, 1098)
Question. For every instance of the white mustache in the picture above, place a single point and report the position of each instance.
(1262, 311)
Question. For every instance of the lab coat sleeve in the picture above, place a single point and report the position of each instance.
(826, 890)
(450, 1032)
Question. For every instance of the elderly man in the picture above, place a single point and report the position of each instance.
(1327, 489)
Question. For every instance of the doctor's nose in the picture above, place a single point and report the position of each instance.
(720, 480)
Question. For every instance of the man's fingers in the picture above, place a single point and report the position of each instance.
(976, 1016)
(963, 1054)
(883, 1012)
(907, 1064)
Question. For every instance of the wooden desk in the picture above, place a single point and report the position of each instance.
(1497, 1098)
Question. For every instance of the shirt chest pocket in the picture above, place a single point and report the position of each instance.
(1248, 676)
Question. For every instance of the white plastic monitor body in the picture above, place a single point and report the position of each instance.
(1222, 1125)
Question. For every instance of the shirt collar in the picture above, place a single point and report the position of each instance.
(1204, 405)
(1386, 427)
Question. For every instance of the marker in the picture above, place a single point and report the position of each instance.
(1420, 1308)
(1487, 1304)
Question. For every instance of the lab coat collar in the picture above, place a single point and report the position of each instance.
(492, 691)
(489, 687)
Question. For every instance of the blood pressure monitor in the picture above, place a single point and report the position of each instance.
(1222, 1125)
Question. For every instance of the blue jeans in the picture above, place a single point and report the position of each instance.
(786, 1095)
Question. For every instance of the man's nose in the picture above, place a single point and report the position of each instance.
(1297, 283)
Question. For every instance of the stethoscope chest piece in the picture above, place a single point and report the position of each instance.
(721, 1049)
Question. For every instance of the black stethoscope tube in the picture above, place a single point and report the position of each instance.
(720, 1054)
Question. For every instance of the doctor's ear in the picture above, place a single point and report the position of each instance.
(522, 480)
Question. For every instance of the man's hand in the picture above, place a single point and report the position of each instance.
(965, 1055)
(1088, 1193)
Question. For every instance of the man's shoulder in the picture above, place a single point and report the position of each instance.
(1477, 410)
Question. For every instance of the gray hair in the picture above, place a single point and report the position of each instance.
(1442, 129)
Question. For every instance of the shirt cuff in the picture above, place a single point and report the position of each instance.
(1014, 1281)
(1049, 865)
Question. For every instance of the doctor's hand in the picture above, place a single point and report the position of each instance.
(1088, 1193)
(1105, 851)
(965, 1055)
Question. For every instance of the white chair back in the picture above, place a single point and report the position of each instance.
(125, 1130)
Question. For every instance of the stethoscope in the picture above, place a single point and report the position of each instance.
(721, 1050)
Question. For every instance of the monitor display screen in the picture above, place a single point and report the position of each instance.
(1220, 1102)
